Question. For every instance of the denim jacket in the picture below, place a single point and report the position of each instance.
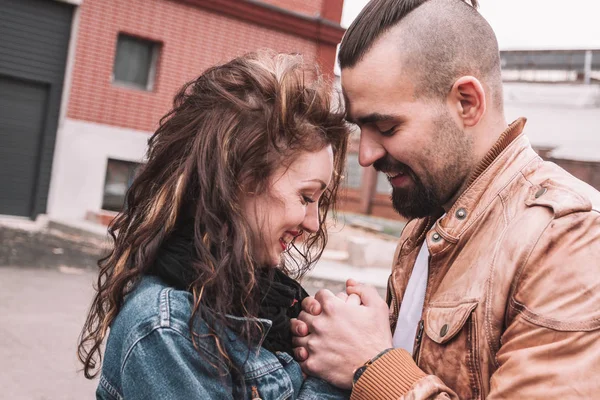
(149, 355)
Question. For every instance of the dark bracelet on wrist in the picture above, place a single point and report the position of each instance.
(360, 370)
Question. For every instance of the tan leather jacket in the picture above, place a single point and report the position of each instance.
(512, 307)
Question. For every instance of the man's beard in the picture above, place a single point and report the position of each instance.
(416, 202)
(427, 196)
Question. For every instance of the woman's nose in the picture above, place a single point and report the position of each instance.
(311, 221)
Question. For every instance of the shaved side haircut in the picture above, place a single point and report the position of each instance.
(439, 40)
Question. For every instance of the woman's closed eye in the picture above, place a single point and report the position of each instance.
(306, 199)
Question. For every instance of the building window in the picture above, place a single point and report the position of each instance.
(135, 62)
(119, 177)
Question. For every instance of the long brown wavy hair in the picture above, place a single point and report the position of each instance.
(228, 131)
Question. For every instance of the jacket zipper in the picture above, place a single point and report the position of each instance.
(418, 338)
(394, 304)
(473, 345)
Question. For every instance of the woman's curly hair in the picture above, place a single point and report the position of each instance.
(228, 131)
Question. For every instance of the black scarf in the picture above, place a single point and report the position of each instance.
(281, 299)
(280, 295)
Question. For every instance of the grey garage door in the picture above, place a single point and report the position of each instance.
(23, 106)
(34, 39)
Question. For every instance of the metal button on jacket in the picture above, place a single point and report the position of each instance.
(444, 330)
(540, 192)
(436, 237)
(461, 213)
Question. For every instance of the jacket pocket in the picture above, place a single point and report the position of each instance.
(450, 346)
(444, 321)
(266, 378)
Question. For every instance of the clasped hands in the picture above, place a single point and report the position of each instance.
(336, 334)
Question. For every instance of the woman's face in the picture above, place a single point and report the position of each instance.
(291, 205)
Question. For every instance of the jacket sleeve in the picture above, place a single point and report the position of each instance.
(551, 344)
(396, 376)
(165, 365)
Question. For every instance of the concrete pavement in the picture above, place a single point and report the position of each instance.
(42, 313)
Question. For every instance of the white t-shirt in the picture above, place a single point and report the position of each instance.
(411, 308)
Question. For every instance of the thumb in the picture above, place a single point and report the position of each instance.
(368, 295)
(351, 282)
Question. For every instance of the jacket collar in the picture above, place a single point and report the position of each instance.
(511, 153)
(507, 157)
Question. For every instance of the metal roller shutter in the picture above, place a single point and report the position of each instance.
(33, 50)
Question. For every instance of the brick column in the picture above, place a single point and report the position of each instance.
(331, 11)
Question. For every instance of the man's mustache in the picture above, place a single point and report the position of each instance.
(389, 164)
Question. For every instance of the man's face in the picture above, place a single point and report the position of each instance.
(414, 140)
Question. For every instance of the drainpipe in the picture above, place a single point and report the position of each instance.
(587, 68)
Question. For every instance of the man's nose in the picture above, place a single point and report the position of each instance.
(370, 150)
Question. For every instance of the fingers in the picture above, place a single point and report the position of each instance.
(354, 299)
(351, 282)
(368, 294)
(298, 328)
(342, 296)
(305, 365)
(324, 295)
(311, 305)
(307, 319)
(298, 341)
(300, 345)
(300, 354)
(329, 302)
(311, 367)
(314, 305)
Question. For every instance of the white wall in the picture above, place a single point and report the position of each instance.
(560, 116)
(552, 94)
(79, 166)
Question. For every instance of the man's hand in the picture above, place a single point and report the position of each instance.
(336, 334)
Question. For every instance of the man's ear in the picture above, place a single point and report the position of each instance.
(468, 98)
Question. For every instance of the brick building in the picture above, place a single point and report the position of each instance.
(117, 66)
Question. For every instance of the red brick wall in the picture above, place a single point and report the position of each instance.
(308, 7)
(192, 40)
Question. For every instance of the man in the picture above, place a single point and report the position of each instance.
(495, 288)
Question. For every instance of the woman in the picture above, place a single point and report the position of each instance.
(196, 290)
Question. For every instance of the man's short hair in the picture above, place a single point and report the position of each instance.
(440, 41)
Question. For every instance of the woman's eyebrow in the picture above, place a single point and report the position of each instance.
(323, 184)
